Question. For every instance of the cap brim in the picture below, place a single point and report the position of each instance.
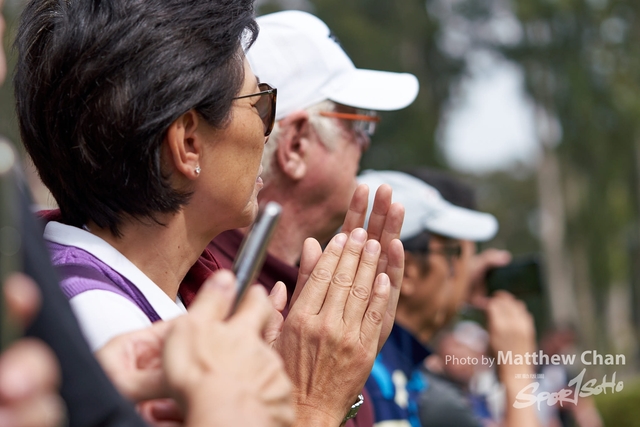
(464, 224)
(373, 90)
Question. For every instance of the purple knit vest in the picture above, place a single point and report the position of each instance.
(80, 271)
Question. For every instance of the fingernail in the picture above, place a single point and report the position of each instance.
(372, 247)
(383, 280)
(359, 235)
(340, 239)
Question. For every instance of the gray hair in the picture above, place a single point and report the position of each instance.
(327, 129)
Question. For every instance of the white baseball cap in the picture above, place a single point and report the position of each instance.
(296, 53)
(426, 210)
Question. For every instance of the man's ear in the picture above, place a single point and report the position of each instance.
(412, 275)
(293, 145)
(184, 144)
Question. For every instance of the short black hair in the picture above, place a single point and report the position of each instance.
(98, 83)
(451, 188)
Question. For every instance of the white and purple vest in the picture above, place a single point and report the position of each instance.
(80, 272)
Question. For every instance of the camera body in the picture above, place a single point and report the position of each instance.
(522, 277)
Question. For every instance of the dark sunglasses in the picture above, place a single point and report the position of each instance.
(449, 251)
(266, 105)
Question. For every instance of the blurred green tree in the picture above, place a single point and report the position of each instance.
(581, 64)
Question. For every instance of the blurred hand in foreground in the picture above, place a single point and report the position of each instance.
(206, 356)
(29, 371)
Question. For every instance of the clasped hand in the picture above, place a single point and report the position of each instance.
(342, 310)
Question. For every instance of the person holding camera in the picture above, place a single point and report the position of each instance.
(509, 324)
(431, 235)
(438, 239)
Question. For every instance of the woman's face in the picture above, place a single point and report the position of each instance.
(231, 167)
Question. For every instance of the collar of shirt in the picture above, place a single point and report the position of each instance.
(94, 245)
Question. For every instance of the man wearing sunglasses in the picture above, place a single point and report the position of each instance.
(509, 325)
(434, 233)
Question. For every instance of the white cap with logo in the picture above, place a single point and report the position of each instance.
(426, 210)
(296, 53)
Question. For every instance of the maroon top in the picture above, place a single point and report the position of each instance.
(224, 248)
(196, 276)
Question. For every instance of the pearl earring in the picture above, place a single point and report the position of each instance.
(198, 170)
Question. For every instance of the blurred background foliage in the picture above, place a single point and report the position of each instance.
(8, 125)
(579, 205)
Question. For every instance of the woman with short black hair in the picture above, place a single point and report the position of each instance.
(148, 126)
(129, 112)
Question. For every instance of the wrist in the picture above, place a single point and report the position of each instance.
(308, 416)
(236, 405)
(353, 410)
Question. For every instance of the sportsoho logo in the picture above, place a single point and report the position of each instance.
(576, 387)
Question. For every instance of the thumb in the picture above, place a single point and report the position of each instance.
(311, 253)
(278, 299)
(215, 298)
(278, 296)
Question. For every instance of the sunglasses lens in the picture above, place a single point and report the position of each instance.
(454, 251)
(366, 126)
(363, 126)
(267, 108)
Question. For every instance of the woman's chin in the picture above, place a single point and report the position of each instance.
(250, 212)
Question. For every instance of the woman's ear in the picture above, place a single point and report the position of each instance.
(412, 274)
(293, 145)
(184, 144)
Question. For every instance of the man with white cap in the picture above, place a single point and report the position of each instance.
(433, 235)
(326, 114)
